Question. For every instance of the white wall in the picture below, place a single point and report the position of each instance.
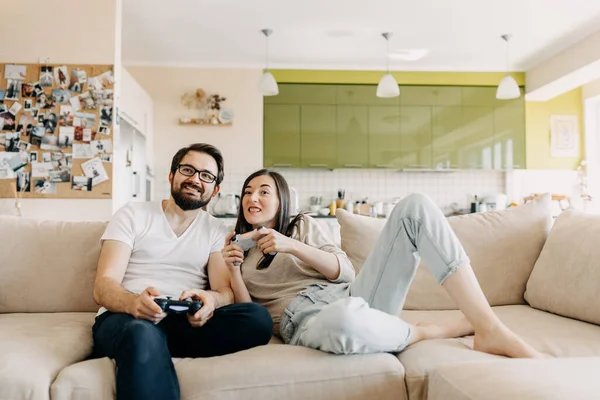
(65, 32)
(241, 143)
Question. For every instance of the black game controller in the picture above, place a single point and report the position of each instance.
(179, 306)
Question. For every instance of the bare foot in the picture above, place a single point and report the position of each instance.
(441, 330)
(504, 342)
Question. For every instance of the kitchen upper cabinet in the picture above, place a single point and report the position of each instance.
(303, 94)
(352, 136)
(509, 137)
(281, 135)
(478, 138)
(363, 95)
(385, 149)
(430, 96)
(415, 137)
(318, 136)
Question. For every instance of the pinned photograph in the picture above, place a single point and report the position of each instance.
(28, 90)
(38, 89)
(2, 108)
(23, 146)
(82, 151)
(58, 156)
(79, 133)
(40, 169)
(86, 120)
(46, 78)
(101, 147)
(2, 139)
(9, 121)
(44, 186)
(106, 115)
(81, 184)
(23, 181)
(61, 77)
(2, 92)
(27, 105)
(34, 112)
(104, 130)
(78, 78)
(95, 83)
(107, 78)
(106, 158)
(12, 141)
(44, 102)
(50, 122)
(13, 89)
(103, 97)
(66, 137)
(50, 142)
(16, 161)
(66, 116)
(47, 157)
(18, 72)
(88, 135)
(75, 103)
(68, 159)
(26, 124)
(60, 96)
(9, 163)
(94, 169)
(60, 175)
(33, 156)
(16, 107)
(37, 133)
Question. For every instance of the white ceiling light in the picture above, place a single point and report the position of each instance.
(268, 84)
(508, 87)
(387, 87)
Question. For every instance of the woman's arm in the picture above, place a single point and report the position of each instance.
(324, 262)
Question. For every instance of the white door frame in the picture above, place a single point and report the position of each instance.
(592, 150)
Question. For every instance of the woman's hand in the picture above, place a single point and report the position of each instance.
(232, 253)
(271, 241)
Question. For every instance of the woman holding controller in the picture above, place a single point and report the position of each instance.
(307, 283)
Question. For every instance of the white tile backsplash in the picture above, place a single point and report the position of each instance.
(445, 188)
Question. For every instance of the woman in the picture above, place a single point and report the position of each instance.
(307, 283)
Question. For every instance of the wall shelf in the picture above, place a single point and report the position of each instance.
(201, 121)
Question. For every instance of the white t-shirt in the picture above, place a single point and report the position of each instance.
(159, 258)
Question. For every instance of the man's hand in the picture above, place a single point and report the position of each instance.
(232, 253)
(209, 304)
(271, 241)
(144, 307)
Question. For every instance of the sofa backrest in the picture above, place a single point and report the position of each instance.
(566, 276)
(48, 266)
(503, 247)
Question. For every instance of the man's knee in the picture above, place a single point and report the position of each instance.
(142, 340)
(256, 322)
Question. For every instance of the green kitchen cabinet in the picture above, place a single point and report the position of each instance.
(477, 144)
(446, 136)
(385, 149)
(318, 136)
(363, 95)
(509, 136)
(427, 96)
(281, 135)
(352, 136)
(295, 93)
(415, 138)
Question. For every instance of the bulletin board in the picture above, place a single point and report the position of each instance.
(56, 138)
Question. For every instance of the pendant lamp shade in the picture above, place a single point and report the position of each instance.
(388, 87)
(267, 84)
(508, 87)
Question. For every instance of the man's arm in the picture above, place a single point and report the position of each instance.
(108, 291)
(220, 281)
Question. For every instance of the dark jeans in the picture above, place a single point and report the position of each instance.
(143, 351)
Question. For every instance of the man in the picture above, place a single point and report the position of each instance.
(170, 248)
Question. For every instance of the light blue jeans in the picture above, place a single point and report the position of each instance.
(361, 317)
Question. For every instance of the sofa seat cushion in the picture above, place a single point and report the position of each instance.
(274, 371)
(548, 333)
(503, 247)
(555, 379)
(34, 348)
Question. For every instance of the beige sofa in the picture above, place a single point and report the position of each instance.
(541, 282)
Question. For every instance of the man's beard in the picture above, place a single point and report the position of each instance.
(185, 201)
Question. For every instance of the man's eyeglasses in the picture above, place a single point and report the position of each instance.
(188, 170)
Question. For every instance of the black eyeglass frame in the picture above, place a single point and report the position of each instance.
(211, 178)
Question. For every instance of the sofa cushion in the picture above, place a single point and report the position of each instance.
(48, 266)
(502, 245)
(267, 372)
(548, 333)
(35, 347)
(566, 275)
(557, 379)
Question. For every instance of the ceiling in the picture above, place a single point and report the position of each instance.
(459, 35)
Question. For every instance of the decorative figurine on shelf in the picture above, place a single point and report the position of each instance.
(195, 100)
